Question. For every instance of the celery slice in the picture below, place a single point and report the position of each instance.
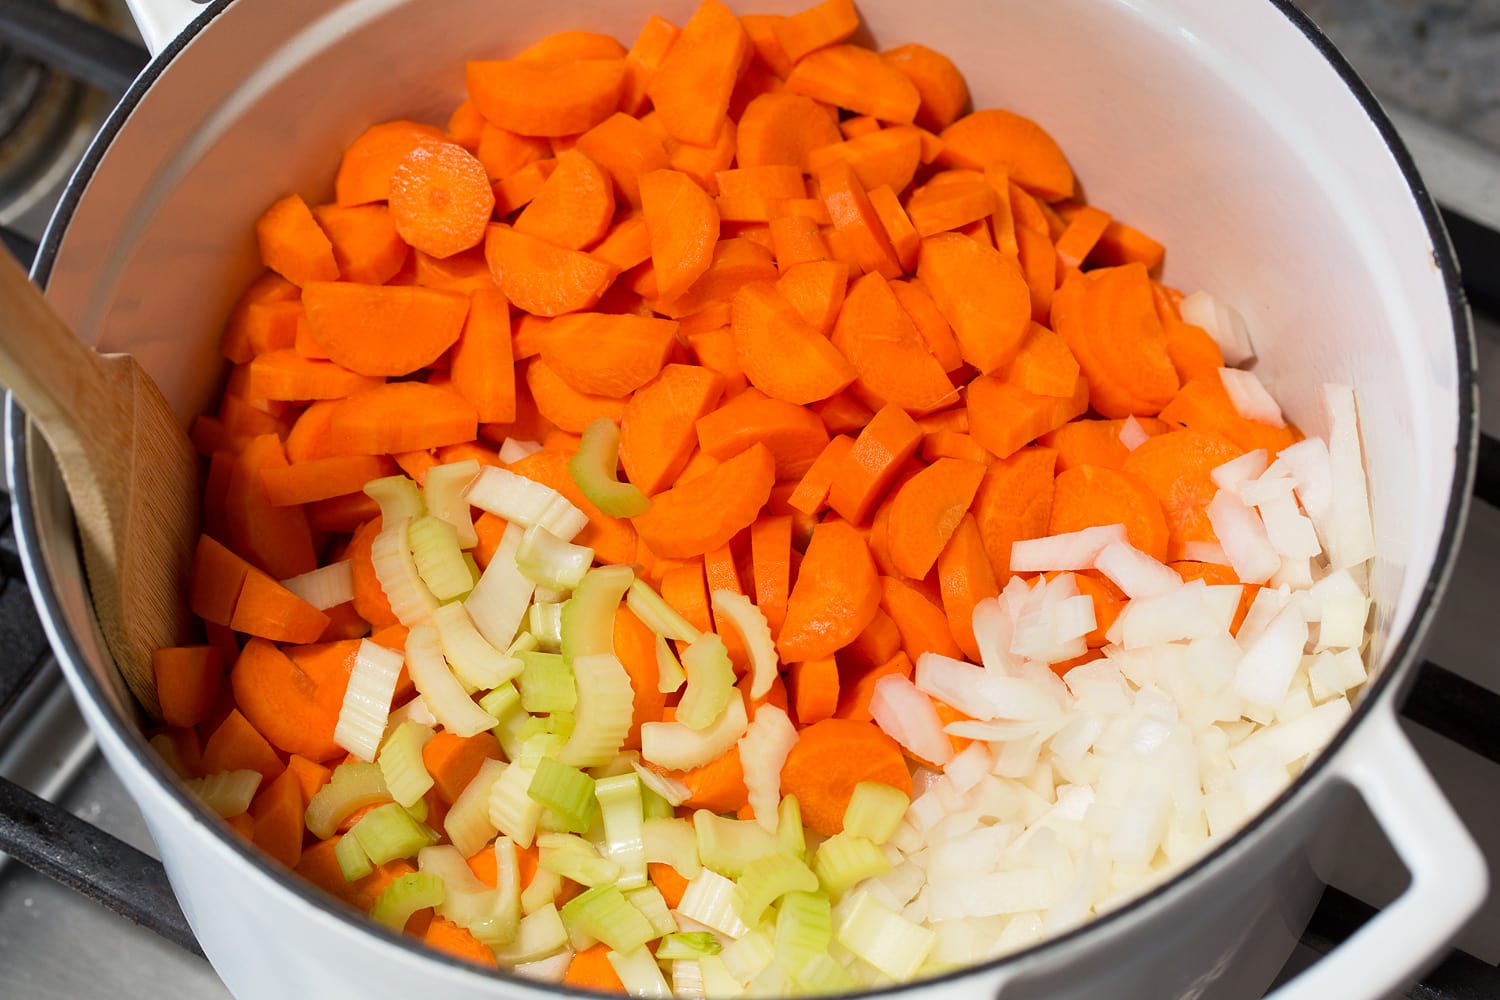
(541, 891)
(476, 663)
(398, 498)
(565, 790)
(790, 836)
(653, 806)
(467, 901)
(638, 971)
(544, 621)
(717, 982)
(669, 675)
(400, 579)
(561, 725)
(546, 683)
(406, 895)
(588, 618)
(440, 562)
(503, 699)
(501, 928)
(875, 810)
(603, 913)
(657, 615)
(822, 974)
(354, 863)
(710, 683)
(443, 490)
(729, 845)
(750, 623)
(844, 860)
(512, 811)
(595, 469)
(401, 764)
(748, 956)
(499, 600)
(604, 712)
(768, 878)
(673, 791)
(885, 939)
(227, 793)
(540, 742)
(689, 945)
(418, 811)
(468, 820)
(550, 562)
(367, 699)
(619, 799)
(763, 752)
(538, 935)
(388, 832)
(415, 710)
(674, 842)
(351, 788)
(676, 747)
(709, 899)
(574, 858)
(444, 695)
(324, 587)
(804, 928)
(525, 502)
(649, 900)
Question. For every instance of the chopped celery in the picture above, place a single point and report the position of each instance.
(768, 878)
(588, 618)
(479, 665)
(545, 622)
(621, 763)
(874, 811)
(674, 842)
(574, 858)
(538, 935)
(619, 799)
(550, 562)
(468, 820)
(790, 836)
(418, 811)
(844, 860)
(388, 832)
(227, 793)
(605, 709)
(687, 978)
(398, 498)
(415, 710)
(668, 787)
(473, 568)
(444, 695)
(401, 763)
(687, 945)
(710, 682)
(823, 974)
(804, 928)
(354, 863)
(499, 600)
(539, 743)
(541, 891)
(669, 675)
(729, 845)
(749, 955)
(546, 683)
(885, 939)
(653, 806)
(467, 901)
(440, 562)
(657, 615)
(709, 899)
(406, 895)
(443, 490)
(326, 586)
(501, 929)
(763, 752)
(750, 623)
(525, 642)
(367, 699)
(502, 699)
(400, 579)
(561, 725)
(524, 502)
(638, 971)
(565, 790)
(649, 900)
(351, 788)
(595, 470)
(512, 811)
(717, 981)
(675, 747)
(604, 913)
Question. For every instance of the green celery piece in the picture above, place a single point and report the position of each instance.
(574, 858)
(728, 846)
(844, 860)
(406, 895)
(565, 790)
(389, 832)
(649, 900)
(588, 617)
(653, 806)
(689, 945)
(882, 937)
(823, 974)
(400, 762)
(657, 615)
(550, 562)
(354, 863)
(352, 787)
(604, 713)
(227, 793)
(790, 834)
(604, 913)
(875, 810)
(710, 682)
(594, 468)
(440, 562)
(397, 496)
(623, 813)
(669, 675)
(767, 879)
(540, 934)
(804, 929)
(546, 683)
(545, 622)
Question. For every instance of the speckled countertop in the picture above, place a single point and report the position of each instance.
(1437, 58)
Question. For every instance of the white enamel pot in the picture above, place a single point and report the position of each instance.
(1230, 130)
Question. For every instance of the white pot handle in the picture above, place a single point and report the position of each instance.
(160, 21)
(1448, 874)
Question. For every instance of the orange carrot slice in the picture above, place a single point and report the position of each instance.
(293, 245)
(574, 207)
(364, 173)
(1019, 146)
(704, 513)
(546, 98)
(965, 578)
(835, 596)
(399, 417)
(982, 294)
(829, 759)
(926, 511)
(684, 227)
(441, 199)
(543, 279)
(604, 354)
(780, 353)
(887, 350)
(1109, 320)
(943, 90)
(1089, 496)
(794, 435)
(658, 429)
(857, 79)
(383, 329)
(692, 88)
(1175, 467)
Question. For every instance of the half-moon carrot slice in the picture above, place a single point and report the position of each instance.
(546, 98)
(836, 594)
(706, 512)
(878, 336)
(926, 511)
(983, 295)
(1019, 146)
(543, 279)
(1089, 496)
(1175, 467)
(780, 353)
(383, 329)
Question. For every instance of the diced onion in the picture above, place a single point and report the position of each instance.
(1132, 434)
(1266, 670)
(907, 716)
(1243, 537)
(1134, 572)
(499, 600)
(1071, 551)
(1222, 323)
(1250, 398)
(512, 450)
(324, 587)
(1250, 465)
(1347, 533)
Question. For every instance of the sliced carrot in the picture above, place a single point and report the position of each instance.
(691, 90)
(482, 367)
(829, 759)
(794, 435)
(1109, 320)
(656, 39)
(1175, 467)
(277, 813)
(1085, 228)
(921, 624)
(867, 471)
(1014, 502)
(813, 687)
(448, 937)
(565, 45)
(818, 26)
(635, 647)
(383, 329)
(364, 173)
(218, 575)
(943, 90)
(516, 190)
(465, 125)
(188, 680)
(1094, 442)
(783, 129)
(489, 528)
(564, 406)
(310, 776)
(1122, 244)
(366, 245)
(883, 158)
(702, 163)
(770, 556)
(780, 352)
(855, 221)
(834, 597)
(625, 149)
(369, 599)
(398, 417)
(1193, 353)
(277, 539)
(1089, 496)
(735, 263)
(816, 290)
(321, 478)
(237, 745)
(917, 302)
(265, 608)
(684, 228)
(546, 98)
(452, 761)
(503, 153)
(843, 413)
(926, 511)
(1044, 365)
(796, 239)
(287, 375)
(543, 279)
(965, 577)
(937, 209)
(1203, 404)
(811, 494)
(879, 641)
(1017, 145)
(856, 78)
(982, 294)
(574, 207)
(658, 428)
(604, 354)
(440, 198)
(465, 273)
(590, 969)
(892, 359)
(1003, 418)
(293, 245)
(668, 881)
(685, 589)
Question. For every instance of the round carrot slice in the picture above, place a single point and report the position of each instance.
(829, 759)
(1176, 468)
(441, 200)
(1087, 496)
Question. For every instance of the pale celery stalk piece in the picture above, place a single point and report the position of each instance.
(440, 562)
(804, 929)
(790, 835)
(749, 955)
(544, 621)
(227, 793)
(406, 895)
(764, 748)
(653, 806)
(418, 811)
(669, 673)
(822, 974)
(565, 790)
(468, 821)
(672, 841)
(367, 699)
(603, 913)
(350, 788)
(875, 810)
(882, 937)
(400, 761)
(844, 860)
(512, 811)
(638, 971)
(415, 710)
(709, 900)
(619, 799)
(445, 696)
(750, 623)
(687, 945)
(604, 712)
(768, 878)
(398, 496)
(476, 663)
(657, 615)
(649, 900)
(467, 901)
(728, 846)
(523, 502)
(710, 683)
(502, 929)
(687, 978)
(388, 832)
(666, 786)
(498, 602)
(396, 569)
(676, 747)
(354, 863)
(325, 587)
(541, 891)
(443, 489)
(546, 683)
(539, 934)
(717, 981)
(576, 859)
(588, 617)
(550, 562)
(595, 470)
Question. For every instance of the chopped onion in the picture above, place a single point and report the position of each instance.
(980, 694)
(324, 587)
(1243, 537)
(499, 600)
(763, 751)
(512, 450)
(1132, 434)
(1223, 324)
(1288, 530)
(1134, 572)
(1250, 465)
(1208, 552)
(367, 699)
(907, 716)
(1266, 671)
(1347, 533)
(1250, 398)
(1071, 551)
(1307, 463)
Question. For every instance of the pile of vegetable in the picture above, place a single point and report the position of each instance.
(721, 517)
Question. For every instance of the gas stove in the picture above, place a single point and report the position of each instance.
(87, 885)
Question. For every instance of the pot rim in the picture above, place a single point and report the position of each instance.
(1390, 684)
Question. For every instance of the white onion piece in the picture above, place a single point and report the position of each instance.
(763, 751)
(1348, 535)
(1250, 465)
(324, 587)
(1307, 463)
(907, 716)
(968, 766)
(669, 788)
(1056, 630)
(1266, 488)
(1071, 551)
(1132, 434)
(981, 694)
(1288, 530)
(1250, 398)
(1243, 537)
(1332, 674)
(1222, 323)
(1134, 572)
(1191, 611)
(512, 451)
(1207, 552)
(367, 699)
(993, 630)
(1342, 622)
(1291, 741)
(1265, 673)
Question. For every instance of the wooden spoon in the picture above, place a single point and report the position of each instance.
(129, 470)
